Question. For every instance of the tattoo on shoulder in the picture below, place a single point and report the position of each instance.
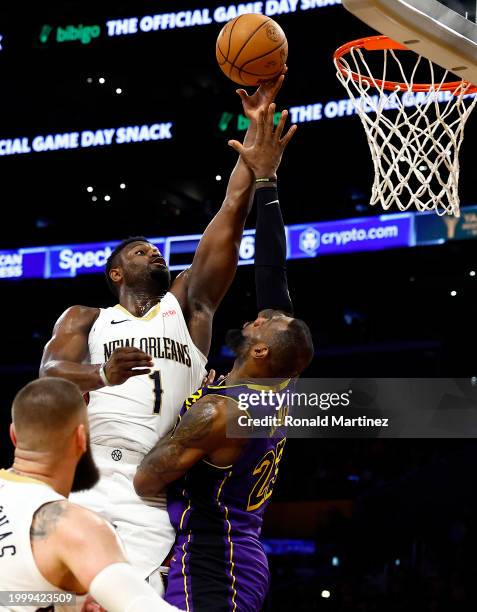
(194, 426)
(46, 519)
(197, 423)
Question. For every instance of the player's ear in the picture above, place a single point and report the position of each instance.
(13, 437)
(116, 274)
(81, 437)
(260, 350)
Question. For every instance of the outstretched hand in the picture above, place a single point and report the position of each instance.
(262, 98)
(264, 156)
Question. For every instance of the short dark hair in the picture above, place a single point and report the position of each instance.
(43, 409)
(112, 260)
(292, 349)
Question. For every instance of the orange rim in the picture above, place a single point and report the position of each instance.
(380, 43)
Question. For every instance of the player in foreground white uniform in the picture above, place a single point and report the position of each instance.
(142, 358)
(46, 542)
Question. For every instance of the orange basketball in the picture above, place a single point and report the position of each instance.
(251, 48)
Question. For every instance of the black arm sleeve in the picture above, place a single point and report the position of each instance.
(270, 253)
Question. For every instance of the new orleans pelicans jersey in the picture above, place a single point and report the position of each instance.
(144, 408)
(20, 498)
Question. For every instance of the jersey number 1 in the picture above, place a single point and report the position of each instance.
(156, 377)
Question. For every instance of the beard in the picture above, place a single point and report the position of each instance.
(154, 280)
(86, 473)
(236, 341)
(162, 279)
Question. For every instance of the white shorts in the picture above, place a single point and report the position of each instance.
(142, 525)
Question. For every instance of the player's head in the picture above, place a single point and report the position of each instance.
(50, 425)
(136, 263)
(274, 345)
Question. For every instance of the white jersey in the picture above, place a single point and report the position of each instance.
(20, 498)
(137, 413)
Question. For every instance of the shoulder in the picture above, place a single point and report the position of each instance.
(47, 518)
(223, 404)
(227, 411)
(202, 419)
(74, 543)
(68, 524)
(212, 403)
(79, 316)
(209, 413)
(82, 523)
(81, 312)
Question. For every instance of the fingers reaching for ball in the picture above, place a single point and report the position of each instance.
(264, 156)
(289, 135)
(263, 96)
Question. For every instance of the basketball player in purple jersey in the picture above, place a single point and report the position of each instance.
(219, 486)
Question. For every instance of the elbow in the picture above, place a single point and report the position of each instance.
(146, 485)
(47, 368)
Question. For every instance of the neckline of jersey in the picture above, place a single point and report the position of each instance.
(11, 476)
(275, 388)
(151, 313)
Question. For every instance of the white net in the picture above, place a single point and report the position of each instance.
(414, 137)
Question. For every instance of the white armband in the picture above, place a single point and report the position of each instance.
(102, 375)
(120, 588)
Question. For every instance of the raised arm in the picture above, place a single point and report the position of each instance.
(64, 354)
(270, 240)
(271, 283)
(201, 288)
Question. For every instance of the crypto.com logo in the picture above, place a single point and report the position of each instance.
(309, 241)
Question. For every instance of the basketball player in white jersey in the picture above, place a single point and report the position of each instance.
(46, 542)
(140, 359)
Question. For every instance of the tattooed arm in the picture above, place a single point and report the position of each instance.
(76, 550)
(71, 545)
(45, 520)
(200, 433)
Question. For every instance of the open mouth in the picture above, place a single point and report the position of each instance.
(158, 261)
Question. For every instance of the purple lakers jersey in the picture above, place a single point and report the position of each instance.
(218, 562)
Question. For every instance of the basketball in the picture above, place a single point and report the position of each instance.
(251, 48)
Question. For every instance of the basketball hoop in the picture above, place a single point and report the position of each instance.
(416, 131)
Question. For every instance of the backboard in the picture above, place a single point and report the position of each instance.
(443, 31)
